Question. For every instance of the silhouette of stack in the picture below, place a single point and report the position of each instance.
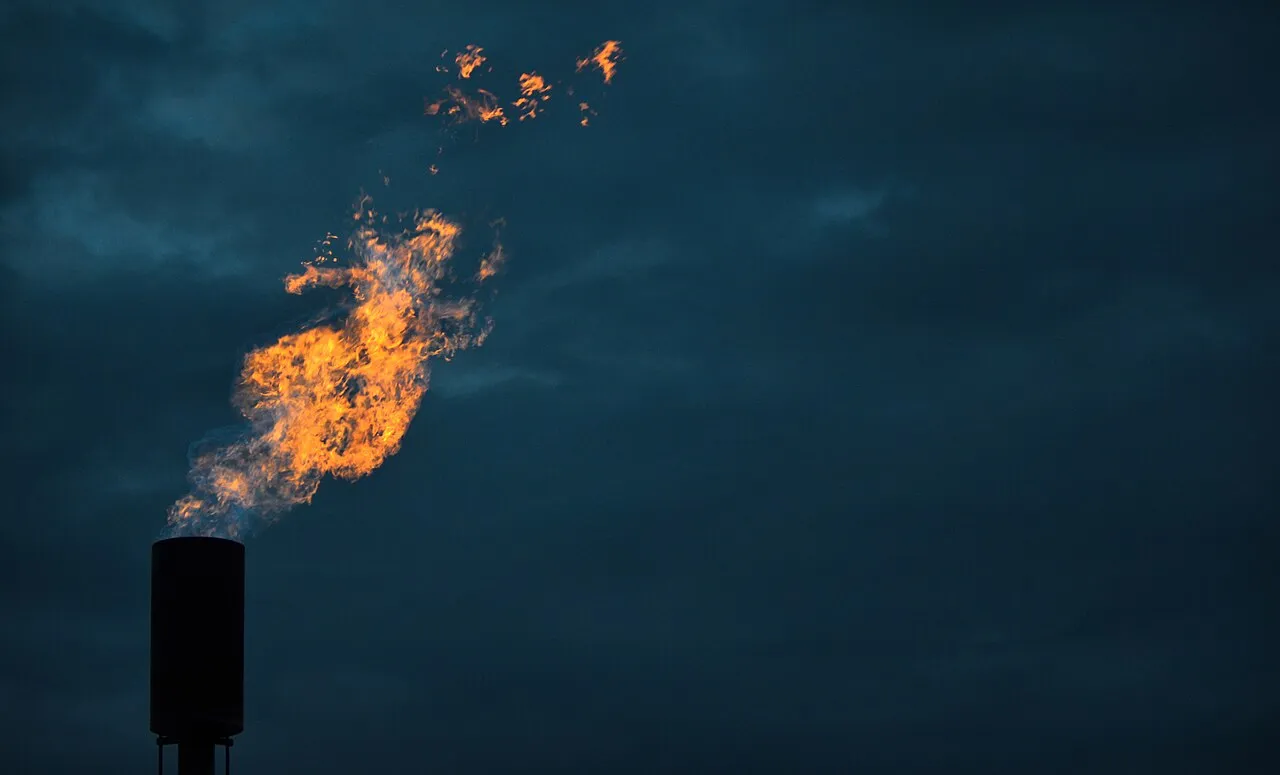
(197, 649)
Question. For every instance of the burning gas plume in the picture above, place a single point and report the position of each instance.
(336, 399)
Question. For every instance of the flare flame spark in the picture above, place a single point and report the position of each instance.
(468, 60)
(605, 59)
(484, 106)
(533, 89)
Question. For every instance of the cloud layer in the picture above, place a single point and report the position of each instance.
(871, 388)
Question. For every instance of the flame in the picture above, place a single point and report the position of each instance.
(482, 107)
(533, 89)
(605, 59)
(468, 60)
(492, 263)
(336, 399)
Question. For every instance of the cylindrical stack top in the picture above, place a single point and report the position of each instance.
(197, 638)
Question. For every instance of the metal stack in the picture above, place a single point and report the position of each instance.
(197, 649)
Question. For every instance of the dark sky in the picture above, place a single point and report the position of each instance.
(876, 387)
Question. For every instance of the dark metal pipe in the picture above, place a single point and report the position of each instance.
(195, 758)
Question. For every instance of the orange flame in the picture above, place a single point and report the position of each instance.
(337, 399)
(605, 59)
(533, 89)
(468, 60)
(484, 106)
(463, 107)
(491, 263)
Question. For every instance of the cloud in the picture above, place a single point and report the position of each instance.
(846, 334)
(78, 236)
(845, 207)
